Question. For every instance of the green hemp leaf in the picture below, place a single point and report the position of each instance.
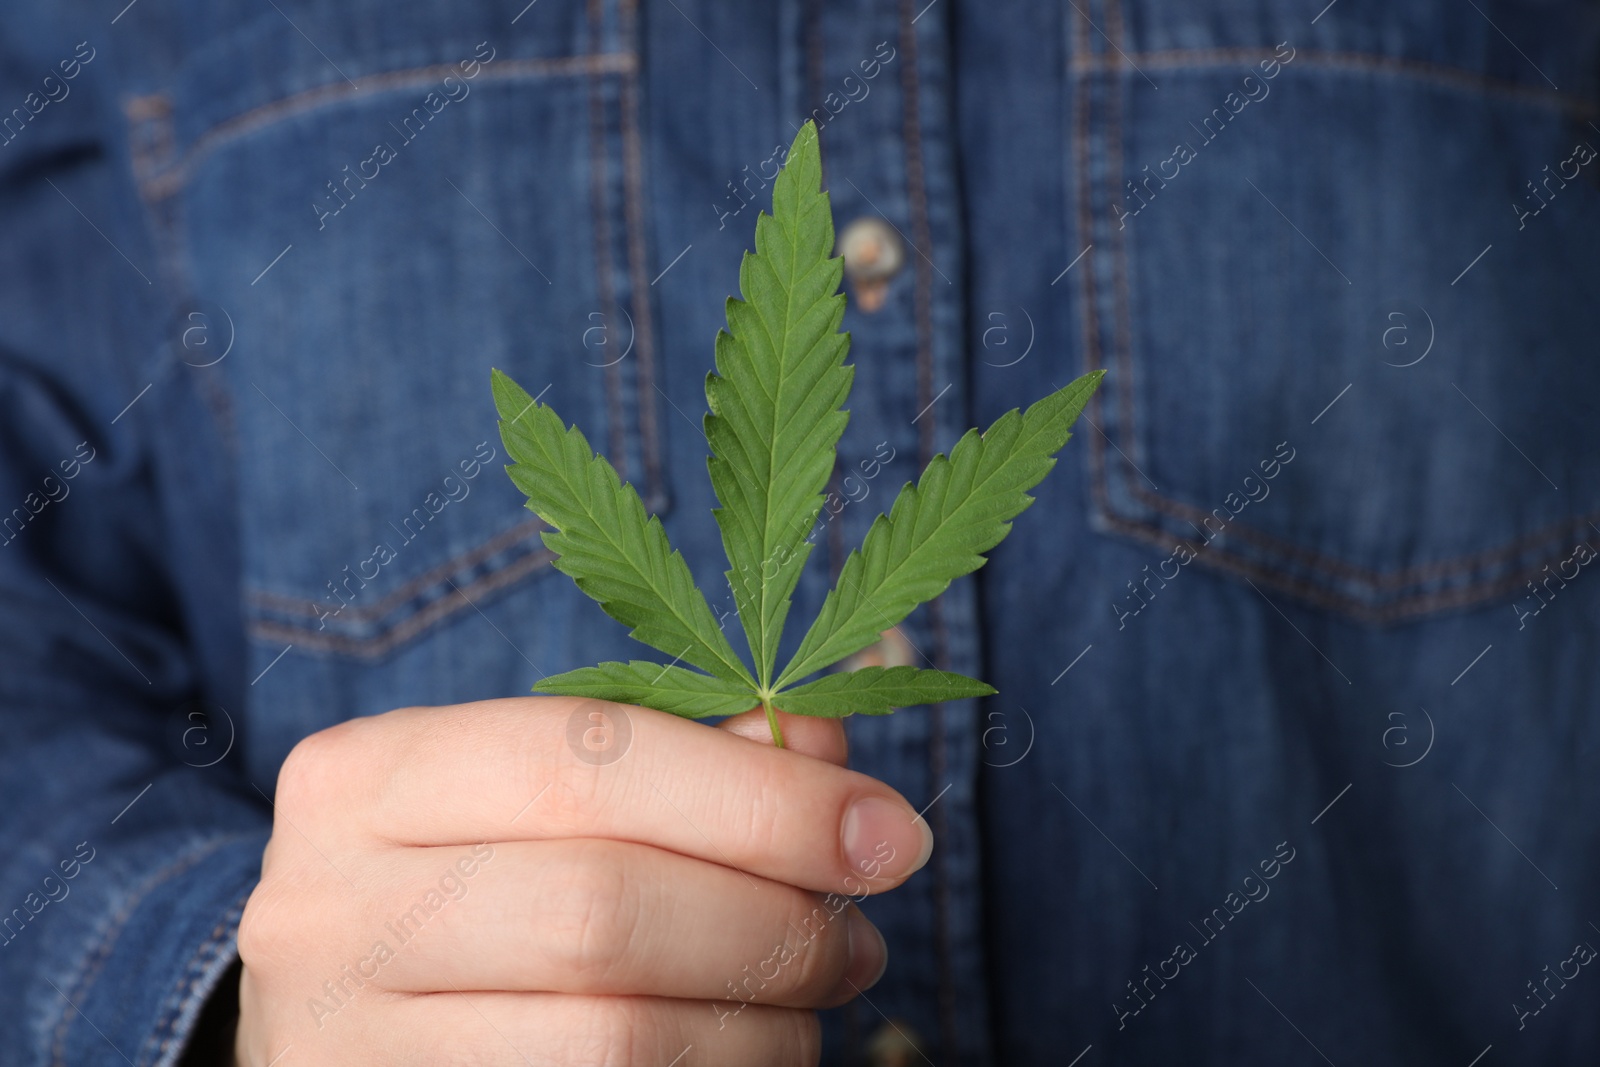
(777, 412)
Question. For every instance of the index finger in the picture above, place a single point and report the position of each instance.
(504, 770)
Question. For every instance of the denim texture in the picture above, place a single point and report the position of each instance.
(1306, 594)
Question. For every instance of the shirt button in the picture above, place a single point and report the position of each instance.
(894, 1044)
(873, 254)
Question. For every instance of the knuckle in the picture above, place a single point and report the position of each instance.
(265, 931)
(316, 770)
(572, 792)
(591, 915)
(805, 1038)
(823, 954)
(568, 808)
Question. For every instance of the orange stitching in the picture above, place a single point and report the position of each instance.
(258, 118)
(1123, 325)
(102, 952)
(1320, 596)
(633, 205)
(616, 429)
(922, 235)
(472, 557)
(212, 945)
(1420, 69)
(371, 648)
(1079, 59)
(150, 133)
(1378, 581)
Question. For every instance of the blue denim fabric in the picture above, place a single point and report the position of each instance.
(1312, 794)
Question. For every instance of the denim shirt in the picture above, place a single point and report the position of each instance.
(1296, 733)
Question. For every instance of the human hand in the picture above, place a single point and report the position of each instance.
(466, 884)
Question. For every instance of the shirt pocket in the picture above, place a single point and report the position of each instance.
(378, 220)
(1342, 278)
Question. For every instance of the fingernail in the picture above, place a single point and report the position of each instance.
(884, 839)
(869, 956)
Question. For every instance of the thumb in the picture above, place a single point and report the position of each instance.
(806, 734)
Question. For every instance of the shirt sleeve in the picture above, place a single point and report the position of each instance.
(132, 835)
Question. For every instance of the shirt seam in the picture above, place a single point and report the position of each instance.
(410, 626)
(645, 403)
(293, 605)
(1327, 569)
(264, 116)
(182, 1006)
(938, 760)
(1428, 71)
(96, 961)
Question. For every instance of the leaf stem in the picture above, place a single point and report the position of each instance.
(772, 721)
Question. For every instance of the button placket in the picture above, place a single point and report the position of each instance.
(890, 170)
